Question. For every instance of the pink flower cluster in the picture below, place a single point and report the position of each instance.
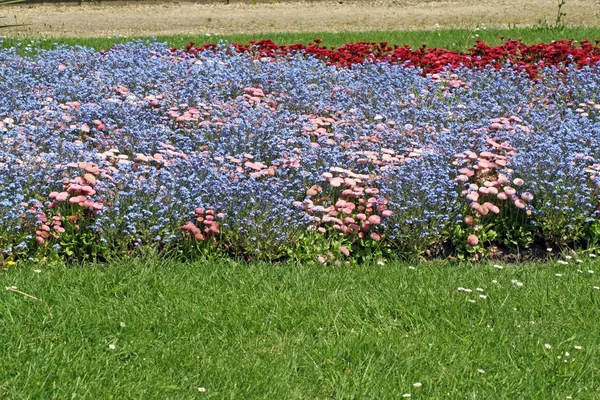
(357, 212)
(486, 185)
(207, 222)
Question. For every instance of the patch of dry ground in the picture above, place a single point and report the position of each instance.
(97, 20)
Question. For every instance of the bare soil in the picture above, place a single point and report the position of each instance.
(166, 18)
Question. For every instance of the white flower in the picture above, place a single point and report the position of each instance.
(481, 371)
(597, 287)
(562, 262)
(407, 395)
(568, 257)
(558, 274)
(494, 281)
(593, 255)
(471, 300)
(411, 267)
(547, 346)
(417, 384)
(112, 346)
(202, 389)
(37, 271)
(122, 324)
(482, 296)
(479, 289)
(576, 347)
(498, 266)
(590, 271)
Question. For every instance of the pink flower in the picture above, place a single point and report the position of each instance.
(518, 182)
(77, 199)
(387, 213)
(375, 236)
(527, 196)
(345, 251)
(520, 203)
(62, 196)
(374, 220)
(473, 196)
(472, 240)
(492, 207)
(361, 217)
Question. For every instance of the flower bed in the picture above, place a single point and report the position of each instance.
(523, 57)
(281, 156)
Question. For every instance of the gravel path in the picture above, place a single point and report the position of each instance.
(107, 19)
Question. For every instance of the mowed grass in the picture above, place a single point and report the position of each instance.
(453, 39)
(292, 331)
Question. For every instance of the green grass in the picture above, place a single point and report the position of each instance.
(455, 39)
(288, 331)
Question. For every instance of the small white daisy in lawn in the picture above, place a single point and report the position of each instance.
(112, 346)
(580, 271)
(596, 287)
(471, 300)
(411, 267)
(568, 257)
(37, 271)
(481, 371)
(593, 255)
(407, 395)
(567, 354)
(576, 347)
(482, 296)
(380, 262)
(494, 281)
(579, 261)
(517, 283)
(549, 250)
(590, 271)
(417, 384)
(202, 389)
(547, 346)
(562, 262)
(479, 289)
(122, 324)
(498, 266)
(558, 274)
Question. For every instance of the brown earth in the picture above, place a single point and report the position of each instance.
(163, 18)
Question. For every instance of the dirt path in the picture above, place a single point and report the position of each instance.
(92, 20)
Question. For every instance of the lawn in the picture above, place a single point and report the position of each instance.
(452, 39)
(291, 331)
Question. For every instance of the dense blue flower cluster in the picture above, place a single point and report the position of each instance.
(123, 148)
